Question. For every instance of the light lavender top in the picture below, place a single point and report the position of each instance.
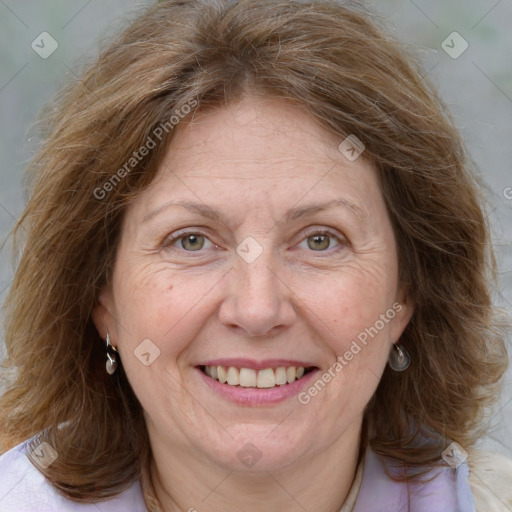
(24, 489)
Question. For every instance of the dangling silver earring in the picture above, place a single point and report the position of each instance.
(111, 364)
(399, 358)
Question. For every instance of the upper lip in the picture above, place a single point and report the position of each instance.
(241, 362)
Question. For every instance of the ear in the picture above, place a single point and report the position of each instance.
(102, 317)
(404, 307)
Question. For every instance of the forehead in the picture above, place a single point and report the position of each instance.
(259, 151)
(267, 135)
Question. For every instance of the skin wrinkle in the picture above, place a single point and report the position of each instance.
(287, 303)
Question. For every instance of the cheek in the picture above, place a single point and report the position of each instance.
(353, 319)
(153, 303)
(351, 301)
(154, 311)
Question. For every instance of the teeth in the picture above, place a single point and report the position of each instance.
(266, 378)
(281, 375)
(222, 374)
(233, 376)
(249, 378)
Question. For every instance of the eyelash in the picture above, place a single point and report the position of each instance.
(170, 240)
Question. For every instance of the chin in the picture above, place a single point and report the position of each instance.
(258, 449)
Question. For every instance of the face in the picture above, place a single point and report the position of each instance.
(258, 247)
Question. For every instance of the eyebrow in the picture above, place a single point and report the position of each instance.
(293, 214)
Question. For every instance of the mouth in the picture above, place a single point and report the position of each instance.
(265, 378)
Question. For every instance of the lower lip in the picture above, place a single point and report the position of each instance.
(258, 396)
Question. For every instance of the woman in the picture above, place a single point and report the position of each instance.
(255, 275)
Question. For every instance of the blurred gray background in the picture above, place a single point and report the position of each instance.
(476, 85)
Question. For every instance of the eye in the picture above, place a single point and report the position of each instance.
(320, 241)
(190, 241)
(194, 241)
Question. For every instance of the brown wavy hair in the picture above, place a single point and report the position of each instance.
(338, 64)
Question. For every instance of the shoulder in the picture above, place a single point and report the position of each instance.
(490, 478)
(23, 488)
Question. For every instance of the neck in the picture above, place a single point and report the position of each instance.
(183, 482)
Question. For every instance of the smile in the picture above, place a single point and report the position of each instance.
(250, 378)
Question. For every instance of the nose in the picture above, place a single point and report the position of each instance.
(259, 301)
